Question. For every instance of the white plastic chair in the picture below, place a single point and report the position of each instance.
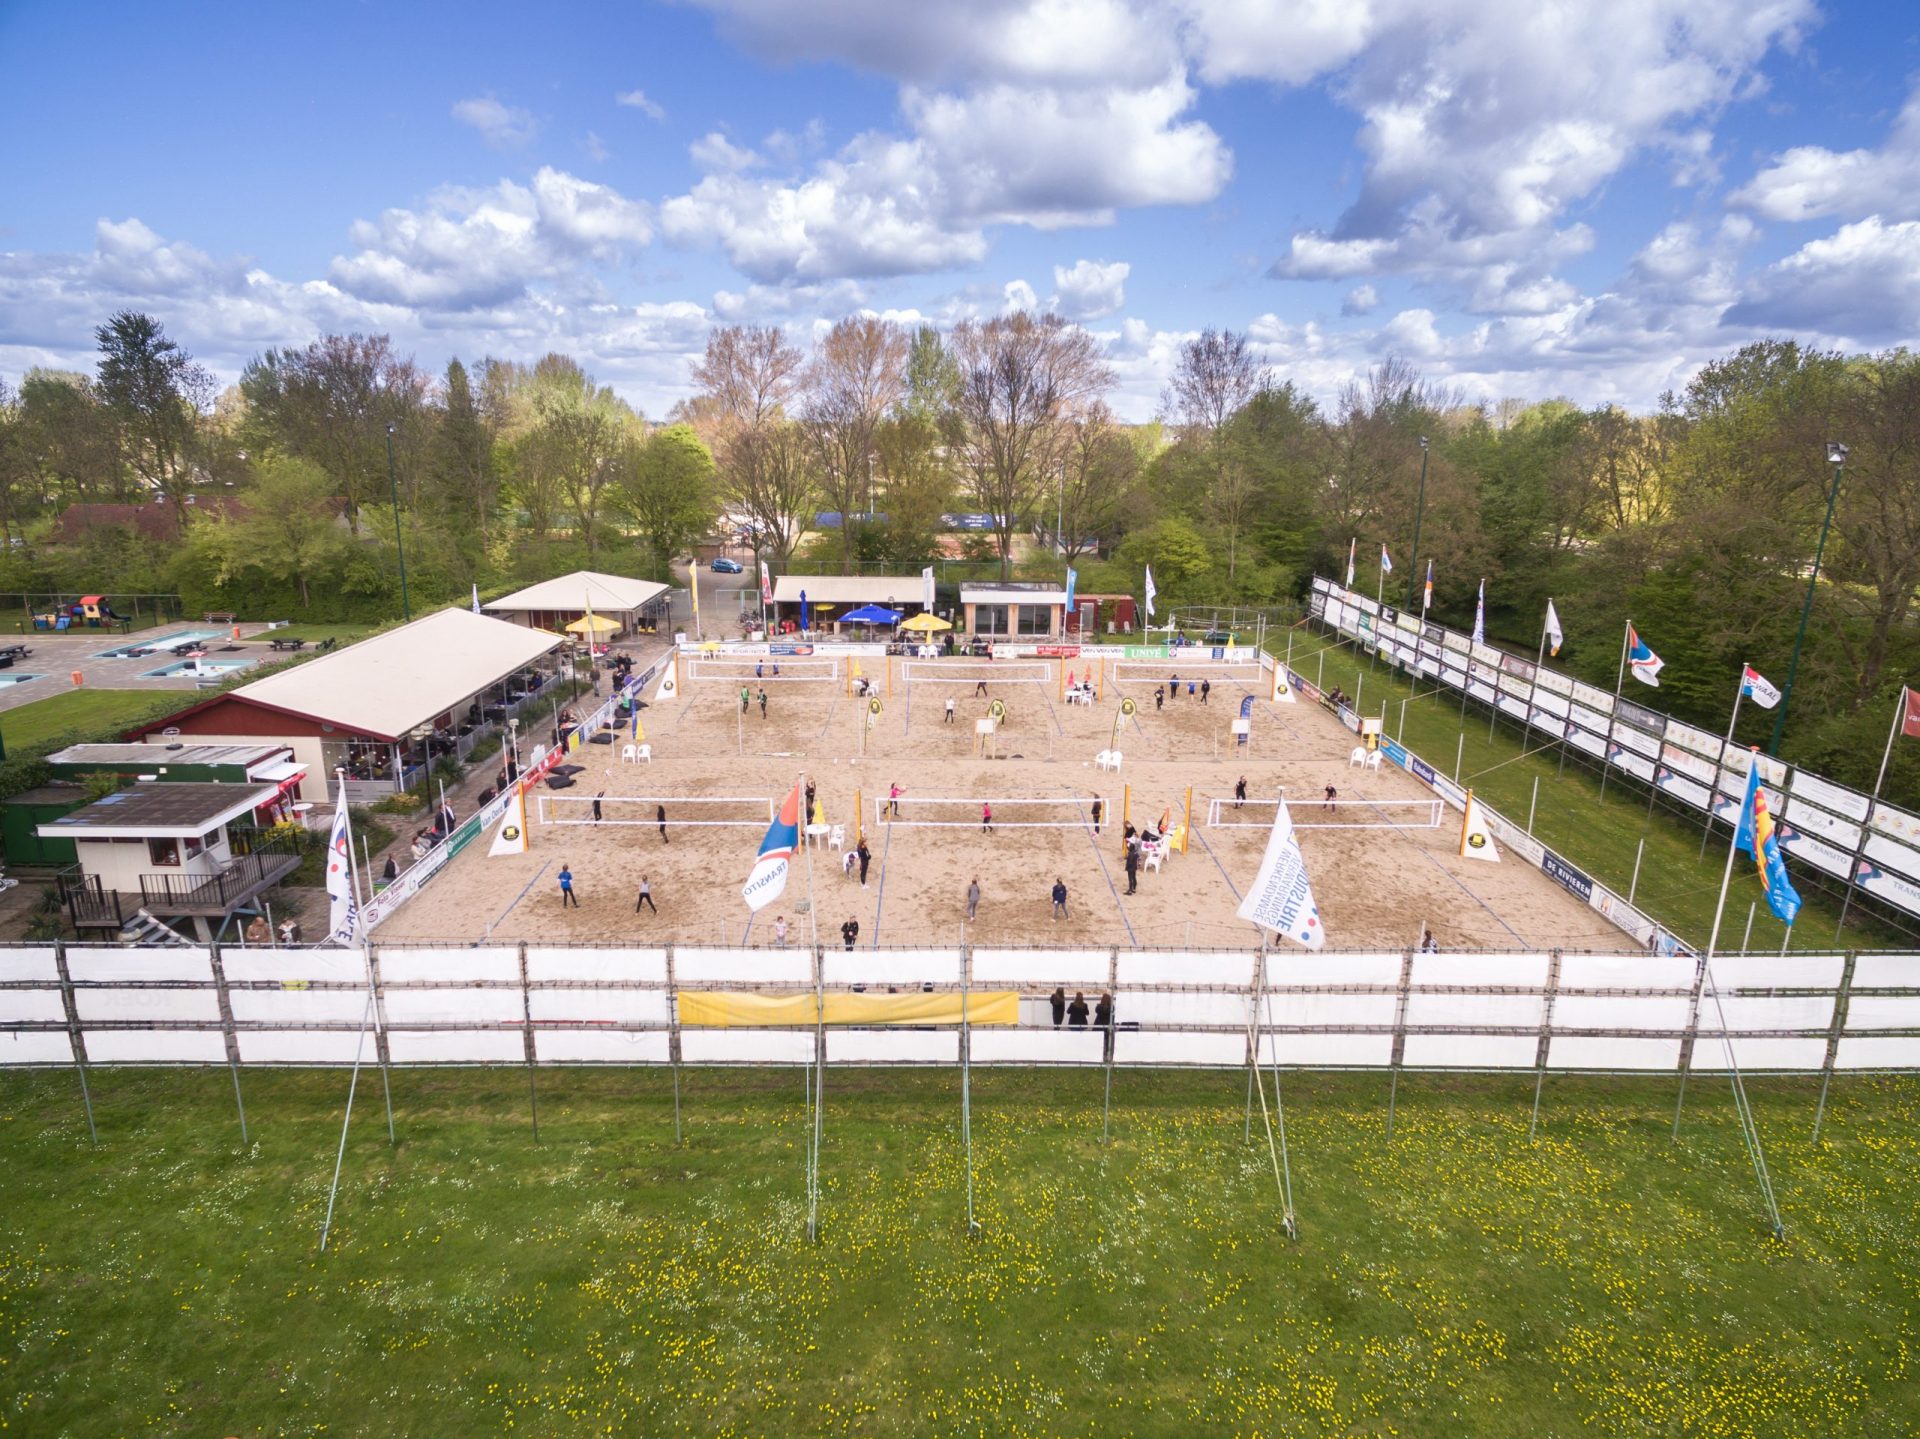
(1373, 760)
(646, 753)
(629, 753)
(1108, 759)
(837, 837)
(1358, 758)
(1154, 858)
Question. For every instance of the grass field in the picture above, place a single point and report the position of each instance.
(62, 714)
(605, 1281)
(1677, 885)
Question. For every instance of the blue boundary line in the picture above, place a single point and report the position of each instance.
(545, 865)
(1402, 830)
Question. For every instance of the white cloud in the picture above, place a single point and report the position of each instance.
(1360, 300)
(637, 100)
(1860, 284)
(764, 304)
(1810, 181)
(715, 152)
(469, 248)
(595, 147)
(1018, 297)
(1090, 289)
(504, 127)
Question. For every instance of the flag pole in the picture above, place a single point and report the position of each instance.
(1539, 659)
(1738, 695)
(1619, 678)
(1899, 713)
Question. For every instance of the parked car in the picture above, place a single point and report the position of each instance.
(725, 566)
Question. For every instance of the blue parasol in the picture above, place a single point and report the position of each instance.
(872, 615)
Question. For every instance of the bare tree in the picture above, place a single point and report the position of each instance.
(749, 379)
(1021, 380)
(772, 473)
(751, 372)
(858, 374)
(1098, 467)
(1216, 375)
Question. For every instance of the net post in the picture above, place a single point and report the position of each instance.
(1546, 1039)
(1688, 1038)
(74, 1037)
(227, 1035)
(859, 817)
(1398, 1053)
(673, 1041)
(1186, 829)
(526, 1040)
(382, 1048)
(1841, 1002)
(1126, 804)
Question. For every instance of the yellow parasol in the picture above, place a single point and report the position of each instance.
(926, 622)
(593, 624)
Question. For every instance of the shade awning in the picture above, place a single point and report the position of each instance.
(871, 615)
(593, 624)
(929, 623)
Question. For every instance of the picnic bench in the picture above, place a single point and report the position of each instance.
(287, 644)
(218, 617)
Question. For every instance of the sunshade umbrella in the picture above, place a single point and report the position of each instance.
(593, 624)
(871, 615)
(926, 622)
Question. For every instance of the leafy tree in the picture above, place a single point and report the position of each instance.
(667, 483)
(154, 391)
(857, 375)
(291, 526)
(1174, 550)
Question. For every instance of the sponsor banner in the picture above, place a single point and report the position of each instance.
(1552, 704)
(1587, 741)
(1641, 718)
(1514, 665)
(1303, 686)
(1389, 616)
(1422, 771)
(1456, 642)
(1143, 652)
(1592, 698)
(1394, 751)
(1889, 855)
(1691, 765)
(1896, 890)
(1558, 683)
(1366, 605)
(1547, 723)
(1514, 706)
(1674, 783)
(1452, 793)
(1632, 763)
(1895, 822)
(1317, 603)
(1434, 635)
(1407, 622)
(1588, 719)
(1567, 876)
(785, 649)
(1696, 740)
(1429, 667)
(1773, 773)
(1517, 840)
(1832, 797)
(1480, 690)
(1632, 739)
(1802, 815)
(1321, 586)
(1618, 912)
(1486, 654)
(1810, 849)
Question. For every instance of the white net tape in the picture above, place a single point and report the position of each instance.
(1066, 812)
(767, 671)
(683, 811)
(993, 672)
(1310, 813)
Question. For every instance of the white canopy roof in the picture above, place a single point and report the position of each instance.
(394, 682)
(907, 592)
(1002, 595)
(606, 594)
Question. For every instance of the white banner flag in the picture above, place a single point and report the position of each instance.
(1350, 545)
(511, 837)
(1476, 840)
(1554, 637)
(1480, 616)
(1386, 561)
(926, 587)
(1760, 689)
(343, 911)
(1151, 592)
(1281, 897)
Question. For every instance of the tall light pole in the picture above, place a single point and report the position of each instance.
(1419, 509)
(393, 485)
(1837, 457)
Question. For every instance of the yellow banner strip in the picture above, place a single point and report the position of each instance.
(732, 1009)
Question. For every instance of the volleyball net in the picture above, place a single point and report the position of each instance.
(756, 671)
(952, 812)
(1225, 812)
(683, 811)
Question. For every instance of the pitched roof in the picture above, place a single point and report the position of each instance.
(896, 591)
(612, 593)
(158, 811)
(397, 681)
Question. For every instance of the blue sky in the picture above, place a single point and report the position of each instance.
(1522, 199)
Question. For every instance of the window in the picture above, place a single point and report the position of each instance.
(1036, 619)
(164, 852)
(195, 844)
(990, 620)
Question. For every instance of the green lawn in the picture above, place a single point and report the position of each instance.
(1456, 1282)
(80, 709)
(342, 635)
(1677, 885)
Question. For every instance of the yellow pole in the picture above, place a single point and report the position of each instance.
(1126, 804)
(680, 671)
(859, 809)
(1186, 831)
(1063, 681)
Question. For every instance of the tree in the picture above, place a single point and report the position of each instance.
(667, 483)
(465, 482)
(1098, 467)
(152, 386)
(70, 438)
(581, 429)
(1216, 375)
(857, 375)
(1020, 380)
(1173, 549)
(750, 372)
(772, 473)
(290, 528)
(919, 487)
(332, 403)
(16, 463)
(748, 377)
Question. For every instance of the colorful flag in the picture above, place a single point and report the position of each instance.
(693, 588)
(766, 584)
(768, 880)
(1426, 599)
(511, 837)
(1073, 579)
(1645, 664)
(1386, 561)
(1910, 719)
(1281, 896)
(1350, 545)
(1476, 840)
(343, 911)
(1758, 688)
(1151, 592)
(1758, 837)
(1480, 616)
(1554, 637)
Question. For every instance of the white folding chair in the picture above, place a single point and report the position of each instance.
(1373, 760)
(629, 753)
(837, 837)
(1358, 758)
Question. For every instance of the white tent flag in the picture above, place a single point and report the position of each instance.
(511, 837)
(343, 906)
(1476, 840)
(1386, 561)
(1151, 592)
(1554, 637)
(1282, 687)
(1281, 896)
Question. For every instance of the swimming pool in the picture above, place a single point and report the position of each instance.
(8, 677)
(213, 669)
(133, 649)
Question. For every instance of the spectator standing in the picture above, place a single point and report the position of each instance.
(973, 898)
(598, 796)
(1058, 1002)
(567, 896)
(1096, 814)
(1133, 865)
(660, 818)
(950, 709)
(1077, 1011)
(866, 858)
(763, 702)
(780, 930)
(1060, 898)
(1206, 688)
(850, 931)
